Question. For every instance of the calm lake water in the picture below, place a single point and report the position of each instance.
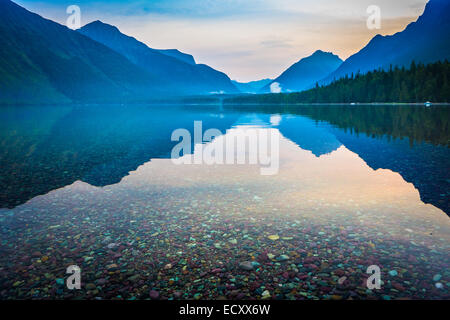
(96, 187)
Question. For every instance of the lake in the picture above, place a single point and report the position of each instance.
(96, 187)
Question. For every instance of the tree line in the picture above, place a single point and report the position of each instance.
(418, 83)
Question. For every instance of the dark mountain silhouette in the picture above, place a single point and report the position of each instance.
(426, 40)
(43, 61)
(305, 73)
(168, 65)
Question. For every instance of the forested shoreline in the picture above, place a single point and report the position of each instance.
(418, 83)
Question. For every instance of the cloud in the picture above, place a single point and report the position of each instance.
(275, 87)
(277, 43)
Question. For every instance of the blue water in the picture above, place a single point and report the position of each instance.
(94, 186)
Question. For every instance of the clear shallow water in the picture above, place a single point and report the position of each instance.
(94, 186)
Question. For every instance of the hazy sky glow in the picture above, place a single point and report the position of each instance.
(247, 39)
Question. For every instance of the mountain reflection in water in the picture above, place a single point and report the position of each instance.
(95, 187)
(46, 148)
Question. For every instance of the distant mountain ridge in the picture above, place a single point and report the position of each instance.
(42, 61)
(306, 72)
(426, 40)
(252, 86)
(418, 83)
(174, 53)
(171, 65)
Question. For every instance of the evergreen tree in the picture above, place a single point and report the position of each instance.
(418, 83)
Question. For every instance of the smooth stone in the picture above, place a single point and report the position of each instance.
(112, 266)
(246, 265)
(393, 273)
(197, 296)
(283, 257)
(168, 266)
(437, 277)
(90, 286)
(265, 294)
(133, 278)
(112, 245)
(398, 286)
(439, 285)
(342, 280)
(339, 272)
(154, 294)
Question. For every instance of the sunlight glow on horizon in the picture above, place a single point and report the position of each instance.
(248, 40)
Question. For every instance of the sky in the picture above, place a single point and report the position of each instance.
(246, 39)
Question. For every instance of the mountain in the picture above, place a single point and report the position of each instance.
(306, 72)
(174, 53)
(44, 62)
(419, 83)
(252, 86)
(426, 40)
(169, 65)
